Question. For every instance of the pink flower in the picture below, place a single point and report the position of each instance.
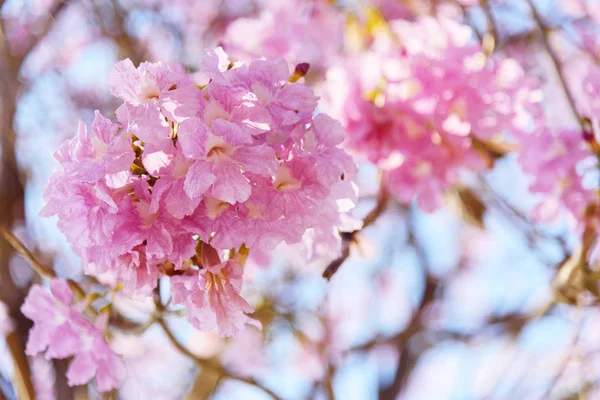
(51, 312)
(152, 92)
(80, 192)
(558, 162)
(212, 295)
(226, 160)
(146, 83)
(95, 359)
(133, 269)
(60, 331)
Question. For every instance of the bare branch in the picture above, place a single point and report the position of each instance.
(383, 199)
(35, 264)
(555, 61)
(22, 375)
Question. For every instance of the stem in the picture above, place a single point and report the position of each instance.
(35, 264)
(383, 198)
(201, 362)
(28, 255)
(568, 358)
(555, 61)
(329, 385)
(22, 375)
(208, 364)
(490, 39)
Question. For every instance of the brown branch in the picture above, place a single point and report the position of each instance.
(11, 210)
(35, 264)
(128, 47)
(383, 198)
(491, 39)
(209, 364)
(27, 255)
(466, 18)
(204, 363)
(407, 359)
(328, 384)
(22, 376)
(556, 62)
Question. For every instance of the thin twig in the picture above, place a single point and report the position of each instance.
(22, 374)
(407, 359)
(35, 264)
(569, 356)
(556, 62)
(24, 251)
(466, 18)
(204, 363)
(491, 39)
(518, 217)
(383, 198)
(329, 384)
(209, 364)
(416, 323)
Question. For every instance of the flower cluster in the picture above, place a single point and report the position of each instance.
(558, 162)
(238, 159)
(562, 163)
(298, 31)
(421, 108)
(61, 331)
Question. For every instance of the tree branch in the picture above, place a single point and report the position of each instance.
(22, 375)
(201, 362)
(491, 39)
(35, 264)
(383, 199)
(556, 62)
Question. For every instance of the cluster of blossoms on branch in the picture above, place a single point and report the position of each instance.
(197, 171)
(295, 30)
(237, 161)
(559, 161)
(425, 104)
(563, 163)
(418, 103)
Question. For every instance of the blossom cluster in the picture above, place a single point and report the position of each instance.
(60, 331)
(562, 163)
(233, 158)
(559, 162)
(421, 103)
(296, 30)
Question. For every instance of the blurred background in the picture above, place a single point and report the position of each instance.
(455, 304)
